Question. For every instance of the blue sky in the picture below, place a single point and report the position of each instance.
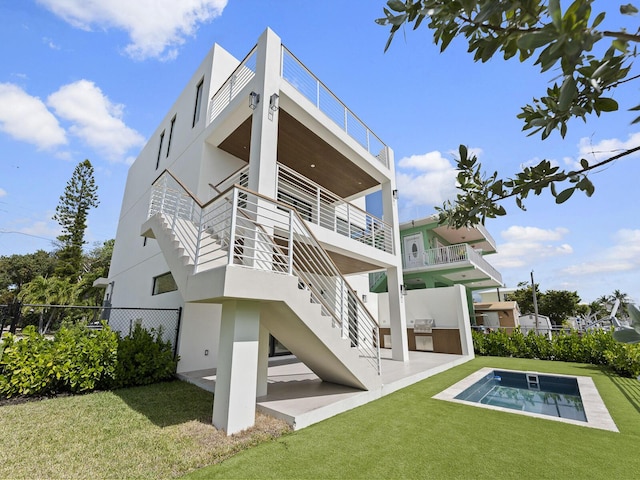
(82, 79)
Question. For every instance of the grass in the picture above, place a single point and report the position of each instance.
(410, 435)
(158, 431)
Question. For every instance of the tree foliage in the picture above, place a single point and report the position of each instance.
(563, 40)
(80, 195)
(17, 270)
(558, 305)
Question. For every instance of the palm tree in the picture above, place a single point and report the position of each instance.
(624, 302)
(47, 292)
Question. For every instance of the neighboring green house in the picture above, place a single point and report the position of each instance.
(439, 256)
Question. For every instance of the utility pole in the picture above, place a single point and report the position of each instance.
(535, 301)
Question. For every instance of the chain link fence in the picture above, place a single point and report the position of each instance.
(48, 318)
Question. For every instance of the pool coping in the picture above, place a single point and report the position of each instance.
(594, 407)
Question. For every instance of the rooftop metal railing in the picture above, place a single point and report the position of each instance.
(240, 77)
(303, 80)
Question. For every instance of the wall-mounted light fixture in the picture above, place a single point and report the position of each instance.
(254, 100)
(395, 194)
(364, 298)
(273, 102)
(403, 290)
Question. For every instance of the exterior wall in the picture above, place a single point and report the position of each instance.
(446, 306)
(198, 163)
(136, 261)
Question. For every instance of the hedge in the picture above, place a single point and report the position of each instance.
(79, 359)
(596, 347)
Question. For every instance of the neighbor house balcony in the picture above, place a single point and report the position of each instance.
(458, 263)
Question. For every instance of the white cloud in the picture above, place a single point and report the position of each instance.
(44, 229)
(95, 120)
(622, 256)
(427, 179)
(27, 118)
(527, 245)
(607, 148)
(3, 192)
(155, 27)
(533, 234)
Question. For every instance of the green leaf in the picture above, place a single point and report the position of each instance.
(531, 41)
(564, 195)
(628, 9)
(584, 163)
(568, 92)
(605, 104)
(555, 13)
(396, 5)
(598, 19)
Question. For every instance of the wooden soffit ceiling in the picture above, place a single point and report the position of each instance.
(299, 148)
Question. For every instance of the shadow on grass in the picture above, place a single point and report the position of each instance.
(169, 403)
(629, 387)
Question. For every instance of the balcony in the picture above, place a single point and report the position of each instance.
(458, 263)
(321, 207)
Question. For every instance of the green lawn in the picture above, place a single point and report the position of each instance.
(158, 431)
(410, 435)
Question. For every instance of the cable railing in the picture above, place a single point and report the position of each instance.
(303, 80)
(316, 204)
(245, 228)
(240, 77)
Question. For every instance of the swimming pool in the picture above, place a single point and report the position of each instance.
(569, 399)
(529, 392)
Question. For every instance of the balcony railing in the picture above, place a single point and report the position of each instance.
(320, 206)
(460, 252)
(301, 78)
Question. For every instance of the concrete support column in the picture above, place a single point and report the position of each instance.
(234, 402)
(263, 362)
(264, 122)
(264, 146)
(397, 315)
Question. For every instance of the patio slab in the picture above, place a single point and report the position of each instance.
(296, 395)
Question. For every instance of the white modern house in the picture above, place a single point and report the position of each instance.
(247, 209)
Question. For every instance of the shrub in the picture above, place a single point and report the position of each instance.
(85, 359)
(76, 360)
(596, 347)
(26, 364)
(144, 358)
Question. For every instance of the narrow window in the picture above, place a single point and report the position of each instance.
(196, 109)
(160, 149)
(164, 283)
(173, 124)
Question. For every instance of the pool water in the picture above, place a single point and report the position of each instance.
(534, 393)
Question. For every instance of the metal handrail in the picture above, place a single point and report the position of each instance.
(258, 232)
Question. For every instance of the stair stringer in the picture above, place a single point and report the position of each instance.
(287, 312)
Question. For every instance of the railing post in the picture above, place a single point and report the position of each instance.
(318, 205)
(348, 220)
(232, 231)
(341, 307)
(290, 259)
(198, 241)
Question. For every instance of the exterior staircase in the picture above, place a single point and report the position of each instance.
(275, 260)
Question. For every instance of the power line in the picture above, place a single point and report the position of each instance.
(27, 234)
